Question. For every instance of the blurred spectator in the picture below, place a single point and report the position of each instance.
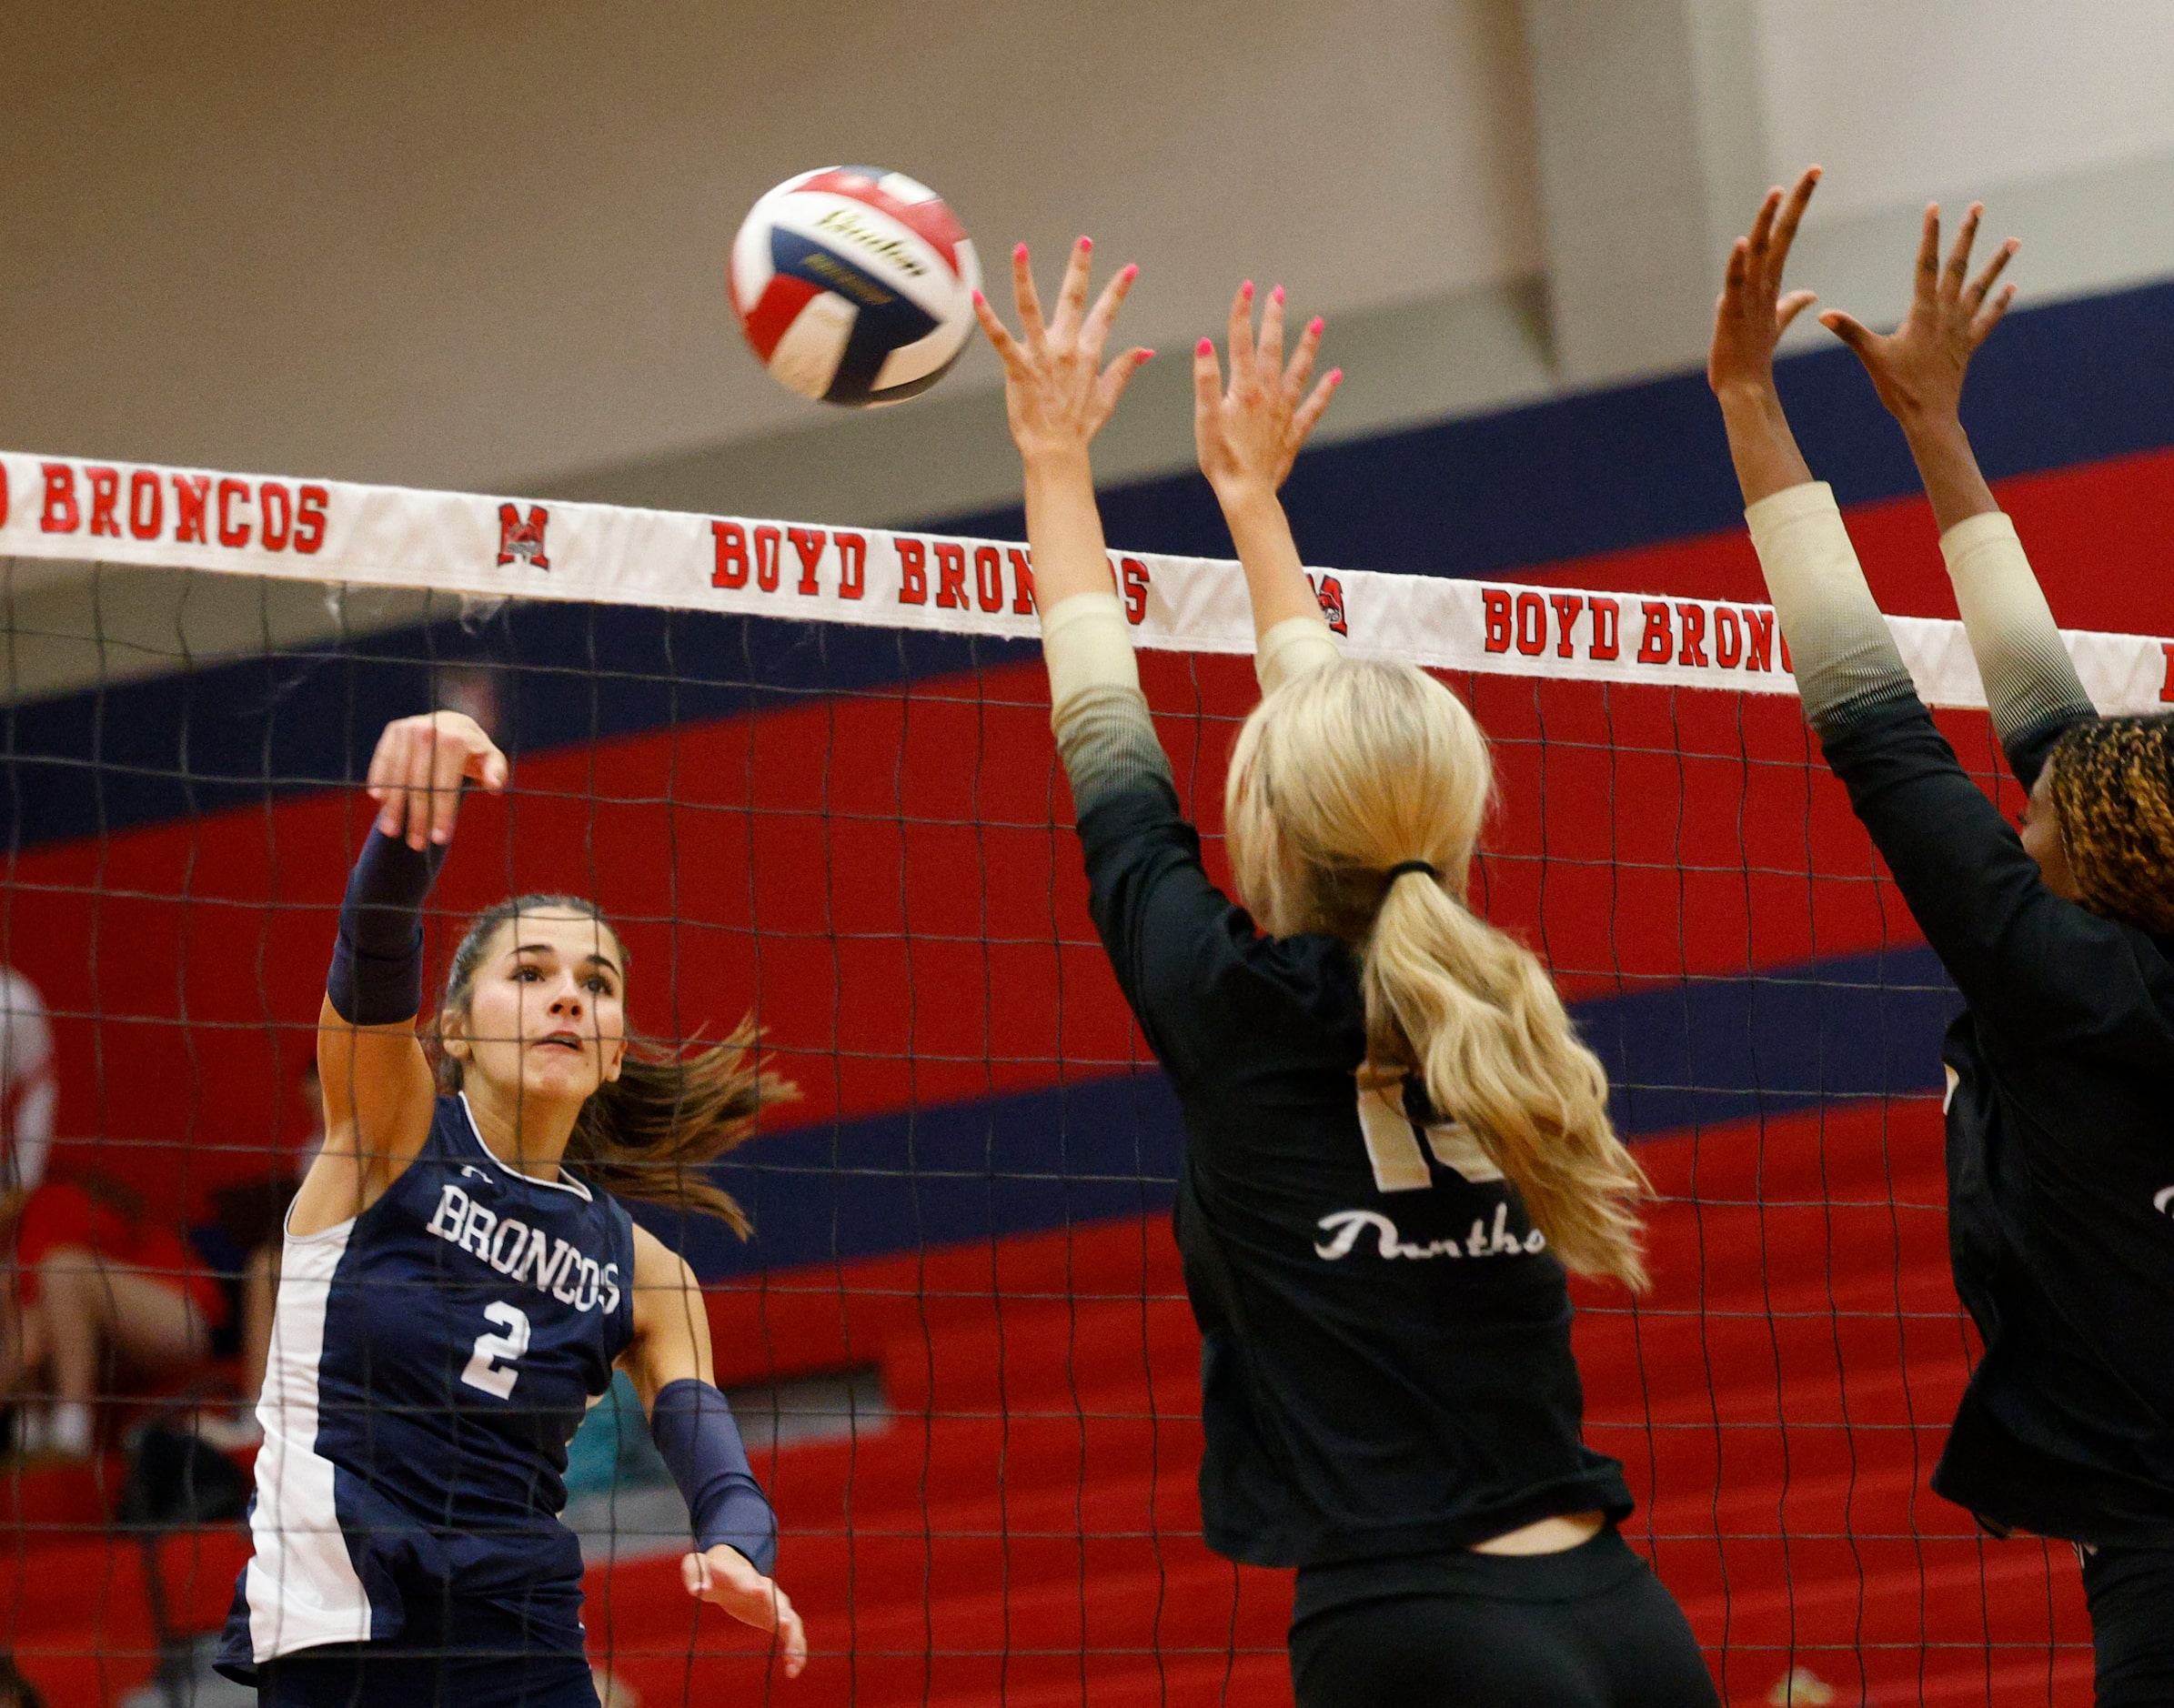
(241, 1245)
(28, 1087)
(104, 1300)
(15, 1691)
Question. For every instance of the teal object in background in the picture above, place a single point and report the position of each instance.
(612, 1448)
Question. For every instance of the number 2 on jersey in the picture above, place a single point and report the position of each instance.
(485, 1371)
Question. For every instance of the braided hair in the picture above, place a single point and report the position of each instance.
(2112, 780)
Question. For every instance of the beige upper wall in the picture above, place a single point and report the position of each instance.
(472, 244)
(481, 244)
(1904, 100)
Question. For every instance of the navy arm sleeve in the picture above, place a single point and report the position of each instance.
(377, 973)
(699, 1440)
(2037, 970)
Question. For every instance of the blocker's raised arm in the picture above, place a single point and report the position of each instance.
(1918, 371)
(1248, 435)
(1057, 395)
(1845, 655)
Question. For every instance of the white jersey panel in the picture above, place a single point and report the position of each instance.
(302, 1586)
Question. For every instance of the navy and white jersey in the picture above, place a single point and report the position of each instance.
(430, 1359)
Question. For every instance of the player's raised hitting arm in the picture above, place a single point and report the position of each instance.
(379, 1091)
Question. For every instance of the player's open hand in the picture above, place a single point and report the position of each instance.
(1752, 313)
(1248, 434)
(726, 1576)
(1917, 368)
(417, 772)
(1057, 392)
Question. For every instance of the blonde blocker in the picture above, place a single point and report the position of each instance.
(1352, 769)
(649, 1134)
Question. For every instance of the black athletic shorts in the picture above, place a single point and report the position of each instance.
(2130, 1592)
(1591, 1627)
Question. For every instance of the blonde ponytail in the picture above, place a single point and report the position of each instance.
(1475, 1014)
(1356, 768)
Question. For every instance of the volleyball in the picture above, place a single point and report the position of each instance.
(854, 285)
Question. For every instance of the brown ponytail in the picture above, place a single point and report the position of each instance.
(649, 1134)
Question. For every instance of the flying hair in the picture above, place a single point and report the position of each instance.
(1347, 773)
(649, 1134)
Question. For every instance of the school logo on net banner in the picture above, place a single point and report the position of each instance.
(522, 537)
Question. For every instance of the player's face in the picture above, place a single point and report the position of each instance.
(2042, 837)
(547, 1016)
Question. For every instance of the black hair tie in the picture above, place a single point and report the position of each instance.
(1402, 867)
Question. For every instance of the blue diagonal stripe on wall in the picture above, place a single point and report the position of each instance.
(1697, 1053)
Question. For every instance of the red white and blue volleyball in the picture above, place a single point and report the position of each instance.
(854, 285)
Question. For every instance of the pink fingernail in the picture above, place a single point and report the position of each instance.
(1020, 254)
(1276, 295)
(1131, 273)
(980, 301)
(1246, 289)
(1147, 356)
(1317, 323)
(1086, 243)
(1335, 376)
(1206, 346)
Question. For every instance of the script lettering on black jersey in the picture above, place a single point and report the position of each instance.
(1346, 1227)
(525, 1254)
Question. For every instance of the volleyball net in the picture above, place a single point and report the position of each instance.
(806, 771)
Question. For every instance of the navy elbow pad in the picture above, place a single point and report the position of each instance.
(377, 974)
(695, 1432)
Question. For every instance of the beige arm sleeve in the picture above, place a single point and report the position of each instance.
(1100, 717)
(1294, 646)
(1843, 654)
(2031, 685)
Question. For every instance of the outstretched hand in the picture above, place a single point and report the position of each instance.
(1250, 434)
(415, 775)
(1917, 368)
(726, 1576)
(1752, 313)
(1057, 392)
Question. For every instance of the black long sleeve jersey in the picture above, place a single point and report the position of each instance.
(2059, 1149)
(1387, 1368)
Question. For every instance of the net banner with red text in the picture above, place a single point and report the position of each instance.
(489, 548)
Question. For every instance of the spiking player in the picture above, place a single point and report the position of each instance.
(459, 1280)
(1389, 1120)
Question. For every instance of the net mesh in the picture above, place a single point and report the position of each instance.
(959, 1341)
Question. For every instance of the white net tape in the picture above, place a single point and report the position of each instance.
(494, 548)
